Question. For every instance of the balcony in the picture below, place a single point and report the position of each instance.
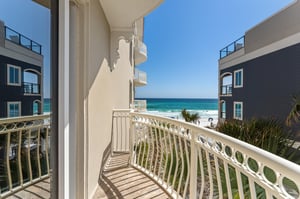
(31, 88)
(140, 78)
(189, 161)
(156, 157)
(226, 90)
(140, 52)
(21, 40)
(233, 47)
(25, 152)
(140, 105)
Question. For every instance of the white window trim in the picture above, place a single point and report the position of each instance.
(234, 116)
(234, 78)
(8, 75)
(221, 109)
(14, 102)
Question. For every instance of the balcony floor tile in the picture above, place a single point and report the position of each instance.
(121, 181)
(40, 190)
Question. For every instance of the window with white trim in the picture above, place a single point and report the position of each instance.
(238, 110)
(13, 75)
(238, 78)
(13, 109)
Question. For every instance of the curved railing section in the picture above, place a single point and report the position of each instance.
(189, 161)
(24, 152)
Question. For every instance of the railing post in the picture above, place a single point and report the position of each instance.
(131, 137)
(193, 174)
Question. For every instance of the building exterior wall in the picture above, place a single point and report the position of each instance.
(11, 93)
(270, 62)
(101, 83)
(269, 82)
(281, 25)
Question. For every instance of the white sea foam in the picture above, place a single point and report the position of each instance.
(205, 115)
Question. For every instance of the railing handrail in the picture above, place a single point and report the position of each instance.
(24, 118)
(228, 139)
(140, 75)
(22, 36)
(26, 144)
(194, 134)
(227, 52)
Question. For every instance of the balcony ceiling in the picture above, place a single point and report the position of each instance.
(45, 3)
(121, 14)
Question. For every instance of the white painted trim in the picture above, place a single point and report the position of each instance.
(63, 100)
(14, 102)
(225, 74)
(221, 110)
(242, 78)
(234, 116)
(8, 75)
(30, 70)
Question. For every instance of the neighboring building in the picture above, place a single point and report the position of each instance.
(260, 72)
(21, 74)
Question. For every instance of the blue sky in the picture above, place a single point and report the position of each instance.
(32, 21)
(183, 40)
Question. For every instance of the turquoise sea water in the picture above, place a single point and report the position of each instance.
(47, 105)
(170, 107)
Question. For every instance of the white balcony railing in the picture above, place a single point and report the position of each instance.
(140, 78)
(140, 105)
(140, 52)
(24, 152)
(189, 161)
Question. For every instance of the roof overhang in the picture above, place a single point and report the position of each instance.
(121, 14)
(45, 3)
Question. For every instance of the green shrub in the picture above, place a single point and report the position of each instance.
(267, 134)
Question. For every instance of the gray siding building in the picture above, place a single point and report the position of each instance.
(260, 72)
(21, 74)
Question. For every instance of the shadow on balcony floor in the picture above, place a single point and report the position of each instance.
(122, 181)
(40, 190)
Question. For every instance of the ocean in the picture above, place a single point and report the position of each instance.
(47, 105)
(171, 107)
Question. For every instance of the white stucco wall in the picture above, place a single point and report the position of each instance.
(105, 90)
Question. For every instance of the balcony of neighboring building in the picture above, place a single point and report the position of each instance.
(232, 47)
(32, 82)
(21, 40)
(150, 157)
(140, 52)
(140, 78)
(17, 46)
(226, 84)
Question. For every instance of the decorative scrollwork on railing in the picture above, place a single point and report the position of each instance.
(195, 162)
(24, 152)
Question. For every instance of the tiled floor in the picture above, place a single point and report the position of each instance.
(120, 181)
(40, 190)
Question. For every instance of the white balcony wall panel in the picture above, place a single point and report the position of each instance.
(106, 89)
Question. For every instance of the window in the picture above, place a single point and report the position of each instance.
(223, 109)
(13, 75)
(238, 78)
(13, 109)
(238, 110)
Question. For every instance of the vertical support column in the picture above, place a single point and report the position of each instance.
(63, 101)
(2, 34)
(193, 174)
